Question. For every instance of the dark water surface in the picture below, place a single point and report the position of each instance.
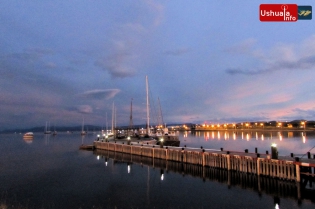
(51, 172)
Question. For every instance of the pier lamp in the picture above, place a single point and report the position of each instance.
(274, 151)
(106, 137)
(161, 142)
(128, 138)
(98, 137)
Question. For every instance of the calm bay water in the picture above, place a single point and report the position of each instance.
(51, 172)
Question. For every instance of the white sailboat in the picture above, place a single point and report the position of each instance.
(47, 129)
(82, 131)
(54, 133)
(164, 135)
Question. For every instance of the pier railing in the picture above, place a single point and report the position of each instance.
(240, 162)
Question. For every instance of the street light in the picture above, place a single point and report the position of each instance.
(304, 124)
(280, 125)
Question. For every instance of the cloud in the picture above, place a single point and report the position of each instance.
(100, 94)
(39, 51)
(158, 10)
(50, 65)
(304, 113)
(86, 109)
(243, 47)
(116, 65)
(128, 39)
(280, 57)
(177, 52)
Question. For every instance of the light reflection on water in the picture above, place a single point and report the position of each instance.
(51, 172)
(287, 141)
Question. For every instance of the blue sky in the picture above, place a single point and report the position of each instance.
(207, 61)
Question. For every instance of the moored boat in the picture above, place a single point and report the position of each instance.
(167, 137)
(28, 134)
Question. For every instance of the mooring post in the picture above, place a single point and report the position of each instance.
(274, 151)
(258, 166)
(308, 155)
(256, 150)
(292, 155)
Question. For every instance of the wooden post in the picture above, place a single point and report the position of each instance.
(203, 158)
(297, 170)
(258, 166)
(228, 159)
(153, 152)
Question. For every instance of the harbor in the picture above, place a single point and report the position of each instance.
(116, 178)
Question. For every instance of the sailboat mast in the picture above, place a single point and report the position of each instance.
(83, 124)
(148, 112)
(131, 122)
(113, 112)
(106, 123)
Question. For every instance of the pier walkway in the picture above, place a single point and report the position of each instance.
(286, 168)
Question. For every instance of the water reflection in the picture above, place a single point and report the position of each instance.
(289, 141)
(259, 184)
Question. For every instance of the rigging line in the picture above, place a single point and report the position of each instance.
(161, 114)
(307, 151)
(153, 107)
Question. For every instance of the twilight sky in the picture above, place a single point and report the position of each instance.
(207, 61)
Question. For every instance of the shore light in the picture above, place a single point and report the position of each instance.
(274, 145)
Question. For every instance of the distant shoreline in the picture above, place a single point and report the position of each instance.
(256, 129)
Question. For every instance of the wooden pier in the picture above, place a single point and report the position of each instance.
(286, 168)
